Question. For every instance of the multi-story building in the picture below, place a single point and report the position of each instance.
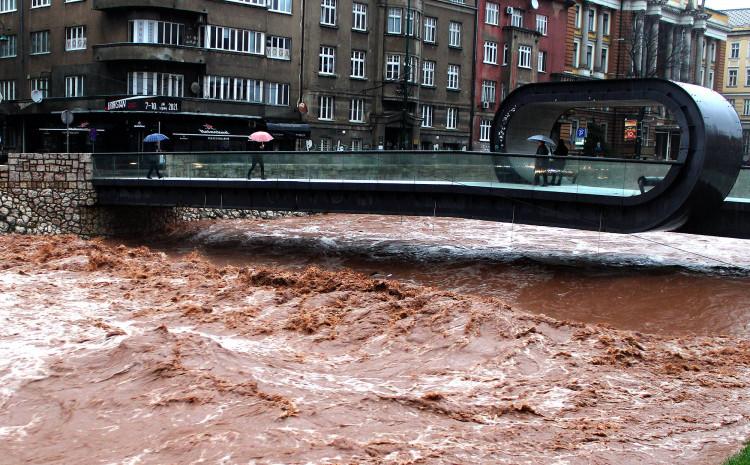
(670, 39)
(518, 42)
(388, 75)
(205, 76)
(737, 74)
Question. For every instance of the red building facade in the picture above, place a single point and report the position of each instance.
(518, 42)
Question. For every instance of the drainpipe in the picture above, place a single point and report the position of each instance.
(474, 77)
(620, 40)
(302, 55)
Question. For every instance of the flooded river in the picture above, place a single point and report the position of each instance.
(345, 339)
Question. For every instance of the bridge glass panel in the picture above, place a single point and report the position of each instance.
(571, 174)
(741, 190)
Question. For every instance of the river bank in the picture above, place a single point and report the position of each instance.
(114, 354)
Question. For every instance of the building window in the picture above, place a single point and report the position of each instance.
(541, 64)
(426, 116)
(576, 53)
(233, 40)
(8, 47)
(590, 56)
(488, 91)
(605, 24)
(74, 86)
(392, 67)
(592, 20)
(484, 130)
(734, 50)
(454, 34)
(358, 64)
(153, 83)
(605, 60)
(451, 118)
(327, 60)
(277, 94)
(39, 42)
(746, 107)
(394, 21)
(711, 79)
(280, 6)
(8, 90)
(7, 6)
(356, 145)
(75, 38)
(541, 24)
(713, 51)
(412, 19)
(42, 85)
(428, 73)
(279, 48)
(148, 31)
(325, 144)
(357, 110)
(40, 3)
(359, 17)
(578, 16)
(524, 56)
(453, 71)
(505, 54)
(516, 19)
(249, 2)
(430, 29)
(325, 110)
(492, 13)
(413, 70)
(746, 145)
(328, 12)
(490, 53)
(226, 88)
(732, 82)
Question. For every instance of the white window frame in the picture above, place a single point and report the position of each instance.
(427, 112)
(74, 86)
(75, 38)
(734, 50)
(150, 31)
(592, 19)
(40, 3)
(492, 13)
(8, 89)
(326, 105)
(234, 40)
(605, 59)
(327, 61)
(395, 21)
(357, 110)
(490, 52)
(325, 144)
(524, 56)
(746, 107)
(413, 69)
(454, 34)
(392, 67)
(578, 16)
(232, 88)
(451, 118)
(541, 61)
(576, 53)
(428, 73)
(489, 91)
(39, 48)
(516, 19)
(280, 6)
(359, 17)
(606, 22)
(732, 77)
(359, 64)
(412, 22)
(276, 94)
(430, 29)
(42, 85)
(328, 12)
(279, 48)
(541, 24)
(8, 6)
(506, 55)
(485, 126)
(454, 71)
(9, 47)
(155, 83)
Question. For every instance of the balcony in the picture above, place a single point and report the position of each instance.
(196, 6)
(157, 52)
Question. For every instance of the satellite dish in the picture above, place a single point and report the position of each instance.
(195, 88)
(37, 95)
(535, 4)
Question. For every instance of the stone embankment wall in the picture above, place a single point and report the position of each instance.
(52, 193)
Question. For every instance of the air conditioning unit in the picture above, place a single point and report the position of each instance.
(485, 105)
(509, 10)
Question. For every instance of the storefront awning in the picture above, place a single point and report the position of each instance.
(290, 130)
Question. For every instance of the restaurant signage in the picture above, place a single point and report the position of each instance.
(144, 103)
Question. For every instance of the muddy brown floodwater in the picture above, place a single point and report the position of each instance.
(115, 354)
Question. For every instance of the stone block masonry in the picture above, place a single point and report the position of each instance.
(52, 193)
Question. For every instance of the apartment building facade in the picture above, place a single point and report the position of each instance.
(736, 77)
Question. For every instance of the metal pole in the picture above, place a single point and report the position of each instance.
(407, 72)
(67, 138)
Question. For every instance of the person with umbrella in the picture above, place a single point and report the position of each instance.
(541, 164)
(261, 137)
(155, 160)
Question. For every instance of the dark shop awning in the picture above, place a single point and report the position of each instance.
(289, 130)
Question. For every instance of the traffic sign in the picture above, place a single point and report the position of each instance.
(67, 117)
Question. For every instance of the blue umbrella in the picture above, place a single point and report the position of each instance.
(155, 137)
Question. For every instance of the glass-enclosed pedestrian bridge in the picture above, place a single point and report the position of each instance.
(619, 192)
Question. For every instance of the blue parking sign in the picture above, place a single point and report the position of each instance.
(581, 133)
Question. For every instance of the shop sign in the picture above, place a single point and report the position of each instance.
(210, 130)
(631, 129)
(144, 103)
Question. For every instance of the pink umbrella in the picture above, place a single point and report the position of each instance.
(261, 136)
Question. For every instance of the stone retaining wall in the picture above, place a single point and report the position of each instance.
(52, 193)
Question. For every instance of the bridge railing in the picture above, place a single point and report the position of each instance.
(582, 175)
